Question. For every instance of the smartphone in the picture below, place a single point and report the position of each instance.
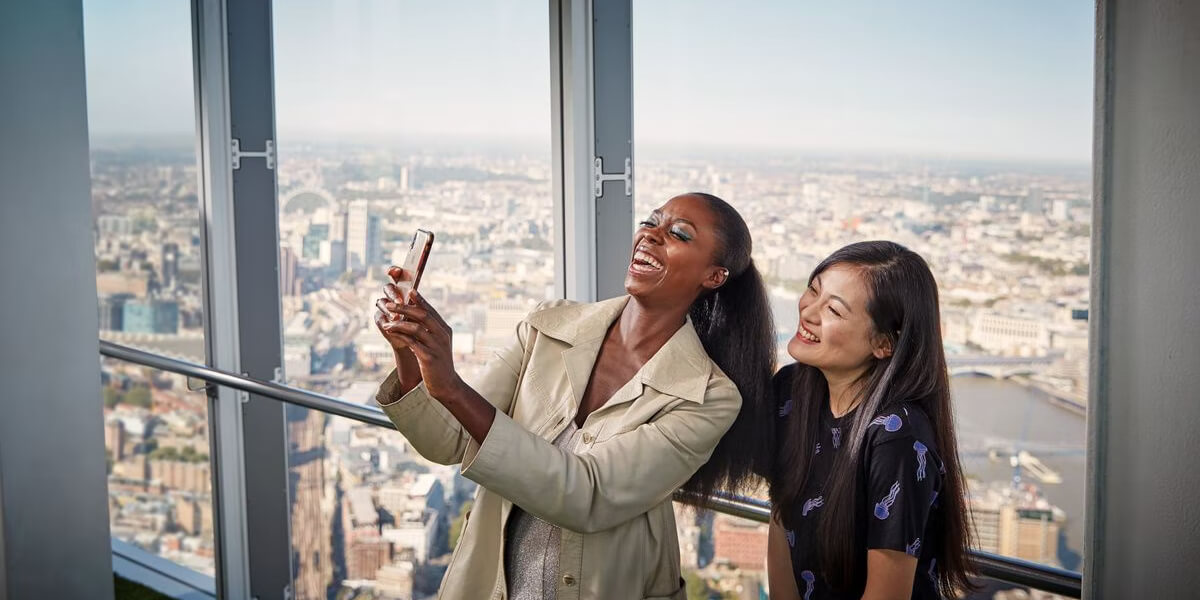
(414, 263)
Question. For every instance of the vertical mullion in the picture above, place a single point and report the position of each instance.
(236, 101)
(260, 343)
(220, 295)
(571, 84)
(612, 117)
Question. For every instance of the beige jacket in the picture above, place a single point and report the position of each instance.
(612, 495)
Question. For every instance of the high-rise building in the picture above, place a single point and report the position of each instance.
(396, 580)
(317, 233)
(114, 225)
(337, 224)
(413, 530)
(362, 236)
(740, 543)
(403, 183)
(188, 515)
(114, 439)
(333, 254)
(1010, 335)
(287, 272)
(366, 555)
(150, 316)
(112, 311)
(689, 536)
(1017, 523)
(501, 321)
(170, 265)
(1034, 203)
(183, 476)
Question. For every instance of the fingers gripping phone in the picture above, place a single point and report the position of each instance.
(414, 263)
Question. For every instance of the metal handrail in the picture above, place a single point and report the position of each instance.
(1011, 570)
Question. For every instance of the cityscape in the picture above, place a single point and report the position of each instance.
(1008, 242)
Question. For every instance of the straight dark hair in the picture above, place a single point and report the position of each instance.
(903, 304)
(734, 325)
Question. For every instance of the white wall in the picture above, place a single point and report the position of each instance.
(1144, 504)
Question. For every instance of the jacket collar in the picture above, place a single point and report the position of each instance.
(680, 368)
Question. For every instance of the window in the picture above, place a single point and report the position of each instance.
(393, 117)
(962, 131)
(148, 273)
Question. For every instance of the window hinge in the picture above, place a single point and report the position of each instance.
(239, 154)
(599, 177)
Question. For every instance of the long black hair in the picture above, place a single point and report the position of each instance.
(734, 324)
(903, 304)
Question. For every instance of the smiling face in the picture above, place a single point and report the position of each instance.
(674, 251)
(836, 333)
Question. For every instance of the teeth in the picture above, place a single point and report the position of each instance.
(646, 258)
(808, 336)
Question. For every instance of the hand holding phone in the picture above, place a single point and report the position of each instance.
(410, 273)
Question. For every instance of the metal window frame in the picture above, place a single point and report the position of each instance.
(160, 574)
(591, 73)
(235, 101)
(1095, 466)
(592, 118)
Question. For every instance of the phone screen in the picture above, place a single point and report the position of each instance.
(414, 263)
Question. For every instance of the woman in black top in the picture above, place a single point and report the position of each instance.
(868, 496)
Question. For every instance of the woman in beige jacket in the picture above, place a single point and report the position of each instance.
(580, 431)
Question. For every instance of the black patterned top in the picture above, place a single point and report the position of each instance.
(895, 496)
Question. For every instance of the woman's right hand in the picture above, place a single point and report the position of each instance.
(387, 313)
(387, 310)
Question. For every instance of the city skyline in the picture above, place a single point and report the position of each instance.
(992, 82)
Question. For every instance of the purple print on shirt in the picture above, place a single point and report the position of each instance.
(921, 450)
(810, 580)
(891, 423)
(786, 408)
(884, 506)
(811, 504)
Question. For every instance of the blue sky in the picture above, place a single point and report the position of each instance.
(1008, 79)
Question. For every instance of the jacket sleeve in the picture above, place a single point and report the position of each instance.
(429, 427)
(619, 479)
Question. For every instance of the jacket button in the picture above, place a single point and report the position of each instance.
(587, 438)
(569, 579)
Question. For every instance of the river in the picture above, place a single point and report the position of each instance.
(999, 413)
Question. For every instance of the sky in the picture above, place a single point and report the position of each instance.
(976, 79)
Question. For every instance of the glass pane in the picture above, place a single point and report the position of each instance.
(159, 470)
(721, 556)
(141, 117)
(393, 117)
(993, 589)
(826, 124)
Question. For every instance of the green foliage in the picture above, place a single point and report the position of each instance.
(697, 588)
(138, 396)
(1050, 266)
(112, 397)
(145, 222)
(187, 455)
(127, 590)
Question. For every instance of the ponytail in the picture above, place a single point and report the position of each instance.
(735, 326)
